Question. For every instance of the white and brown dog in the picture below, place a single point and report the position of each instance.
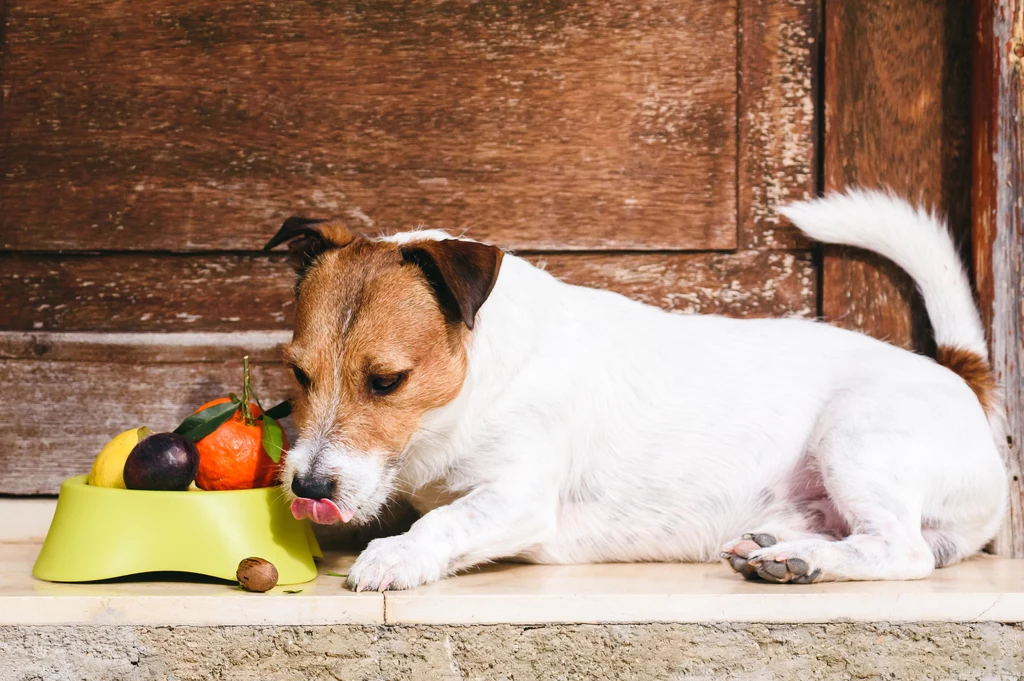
(530, 419)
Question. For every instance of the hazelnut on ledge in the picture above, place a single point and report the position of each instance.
(256, 574)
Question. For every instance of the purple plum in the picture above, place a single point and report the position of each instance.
(164, 461)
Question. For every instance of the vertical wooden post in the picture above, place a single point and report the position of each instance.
(998, 222)
(896, 115)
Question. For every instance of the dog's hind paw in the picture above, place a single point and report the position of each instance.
(737, 553)
(748, 556)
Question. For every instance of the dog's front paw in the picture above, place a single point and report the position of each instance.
(393, 563)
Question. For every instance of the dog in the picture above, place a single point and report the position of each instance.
(533, 420)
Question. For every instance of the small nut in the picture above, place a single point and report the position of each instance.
(256, 574)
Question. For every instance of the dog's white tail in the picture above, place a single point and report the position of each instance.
(921, 244)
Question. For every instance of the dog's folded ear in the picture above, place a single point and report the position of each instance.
(307, 238)
(462, 273)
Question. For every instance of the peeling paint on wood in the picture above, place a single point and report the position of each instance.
(144, 348)
(780, 41)
(581, 124)
(102, 383)
(125, 293)
(177, 128)
(743, 284)
(998, 216)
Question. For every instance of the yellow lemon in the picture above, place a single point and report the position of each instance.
(108, 469)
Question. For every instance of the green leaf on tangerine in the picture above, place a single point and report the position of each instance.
(202, 423)
(273, 441)
(279, 411)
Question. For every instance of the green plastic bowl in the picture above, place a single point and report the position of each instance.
(102, 532)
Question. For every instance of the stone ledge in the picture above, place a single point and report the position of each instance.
(690, 652)
(984, 589)
(25, 600)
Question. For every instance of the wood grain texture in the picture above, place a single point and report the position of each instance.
(998, 224)
(187, 347)
(743, 284)
(194, 124)
(780, 45)
(73, 391)
(67, 411)
(896, 114)
(228, 292)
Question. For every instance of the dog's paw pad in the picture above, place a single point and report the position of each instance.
(762, 539)
(743, 548)
(743, 567)
(738, 552)
(750, 556)
(783, 570)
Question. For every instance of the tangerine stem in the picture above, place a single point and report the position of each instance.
(246, 392)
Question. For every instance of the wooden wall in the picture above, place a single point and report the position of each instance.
(149, 150)
(926, 97)
(998, 219)
(897, 114)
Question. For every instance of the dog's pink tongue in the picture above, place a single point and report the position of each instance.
(321, 511)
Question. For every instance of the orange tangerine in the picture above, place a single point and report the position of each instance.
(232, 457)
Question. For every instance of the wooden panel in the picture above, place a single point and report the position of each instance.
(780, 44)
(998, 217)
(744, 284)
(106, 382)
(145, 292)
(66, 411)
(896, 110)
(194, 124)
(187, 347)
(123, 293)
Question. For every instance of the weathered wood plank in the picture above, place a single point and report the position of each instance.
(187, 347)
(60, 414)
(780, 43)
(743, 284)
(896, 114)
(101, 383)
(998, 222)
(126, 293)
(194, 124)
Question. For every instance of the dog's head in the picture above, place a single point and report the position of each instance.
(381, 328)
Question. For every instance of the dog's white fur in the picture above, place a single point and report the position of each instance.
(594, 428)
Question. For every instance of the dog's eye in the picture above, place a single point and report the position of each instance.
(386, 384)
(301, 377)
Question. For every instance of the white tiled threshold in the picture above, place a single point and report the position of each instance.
(984, 589)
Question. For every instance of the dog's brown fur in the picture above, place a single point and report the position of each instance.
(975, 371)
(372, 309)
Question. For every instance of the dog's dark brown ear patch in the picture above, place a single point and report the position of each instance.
(307, 238)
(462, 273)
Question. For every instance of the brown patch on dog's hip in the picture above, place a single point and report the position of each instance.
(974, 369)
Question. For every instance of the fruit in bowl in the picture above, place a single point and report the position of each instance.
(108, 468)
(96, 534)
(235, 455)
(229, 443)
(165, 461)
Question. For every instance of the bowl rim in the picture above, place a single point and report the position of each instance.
(82, 481)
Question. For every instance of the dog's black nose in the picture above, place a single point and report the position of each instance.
(312, 487)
